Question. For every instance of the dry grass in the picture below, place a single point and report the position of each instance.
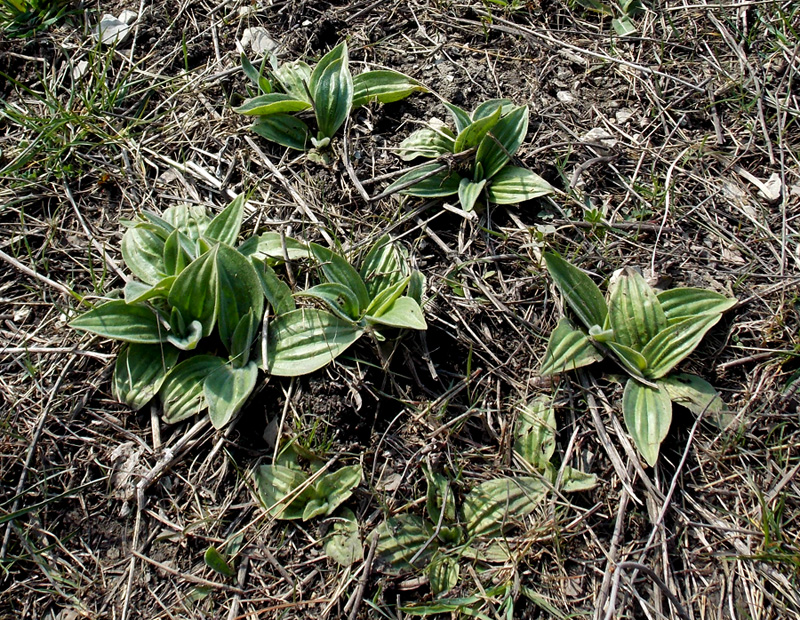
(107, 514)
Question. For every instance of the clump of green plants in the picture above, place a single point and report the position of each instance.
(23, 18)
(472, 160)
(649, 333)
(621, 13)
(329, 90)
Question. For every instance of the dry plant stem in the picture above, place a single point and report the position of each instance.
(241, 577)
(348, 164)
(358, 597)
(667, 204)
(28, 271)
(31, 450)
(299, 200)
(188, 577)
(137, 529)
(611, 560)
(679, 609)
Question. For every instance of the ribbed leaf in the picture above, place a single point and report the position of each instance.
(426, 142)
(399, 540)
(634, 311)
(285, 130)
(579, 291)
(337, 269)
(381, 303)
(274, 247)
(384, 86)
(442, 574)
(630, 359)
(404, 313)
(336, 487)
(226, 390)
(568, 349)
(238, 291)
(305, 340)
(135, 323)
(698, 396)
(494, 504)
(139, 372)
(444, 183)
(535, 432)
(182, 393)
(675, 342)
(460, 117)
(192, 220)
(512, 185)
(473, 133)
(143, 253)
(272, 103)
(226, 225)
(385, 265)
(469, 192)
(331, 86)
(344, 545)
(136, 292)
(277, 292)
(502, 142)
(338, 297)
(648, 415)
(275, 483)
(490, 106)
(177, 252)
(194, 292)
(294, 78)
(681, 303)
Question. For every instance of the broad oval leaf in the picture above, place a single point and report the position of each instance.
(272, 103)
(672, 344)
(294, 78)
(473, 133)
(140, 370)
(275, 484)
(285, 130)
(426, 142)
(274, 247)
(337, 269)
(579, 291)
(428, 181)
(681, 303)
(490, 106)
(192, 220)
(238, 291)
(634, 312)
(404, 313)
(194, 292)
(226, 390)
(136, 292)
(307, 339)
(698, 396)
(216, 562)
(568, 349)
(469, 192)
(182, 393)
(442, 574)
(535, 432)
(331, 86)
(226, 225)
(242, 339)
(336, 487)
(143, 253)
(439, 497)
(573, 480)
(494, 504)
(648, 415)
(344, 545)
(384, 86)
(135, 323)
(338, 297)
(187, 337)
(502, 142)
(385, 265)
(400, 538)
(277, 292)
(630, 359)
(512, 185)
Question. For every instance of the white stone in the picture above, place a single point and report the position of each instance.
(111, 31)
(128, 17)
(259, 41)
(564, 96)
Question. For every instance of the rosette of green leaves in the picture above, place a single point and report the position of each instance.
(384, 293)
(487, 139)
(328, 90)
(192, 283)
(649, 334)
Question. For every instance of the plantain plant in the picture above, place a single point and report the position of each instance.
(473, 159)
(649, 333)
(328, 90)
(190, 316)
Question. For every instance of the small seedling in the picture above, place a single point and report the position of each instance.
(473, 160)
(621, 13)
(329, 90)
(648, 333)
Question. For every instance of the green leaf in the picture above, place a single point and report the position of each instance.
(242, 339)
(140, 370)
(285, 130)
(194, 292)
(698, 396)
(623, 26)
(460, 117)
(381, 302)
(568, 349)
(573, 480)
(473, 133)
(305, 340)
(344, 545)
(416, 286)
(384, 266)
(469, 192)
(443, 183)
(255, 76)
(579, 291)
(404, 313)
(630, 359)
(634, 312)
(427, 142)
(226, 390)
(136, 292)
(272, 103)
(648, 415)
(535, 434)
(216, 562)
(277, 292)
(192, 220)
(676, 342)
(177, 253)
(682, 303)
(442, 574)
(384, 86)
(336, 487)
(502, 142)
(238, 291)
(331, 86)
(494, 504)
(226, 225)
(294, 78)
(143, 253)
(339, 299)
(187, 338)
(275, 483)
(512, 185)
(136, 323)
(490, 106)
(337, 269)
(271, 246)
(182, 391)
(439, 497)
(400, 538)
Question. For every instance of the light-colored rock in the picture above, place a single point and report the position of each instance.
(258, 40)
(111, 31)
